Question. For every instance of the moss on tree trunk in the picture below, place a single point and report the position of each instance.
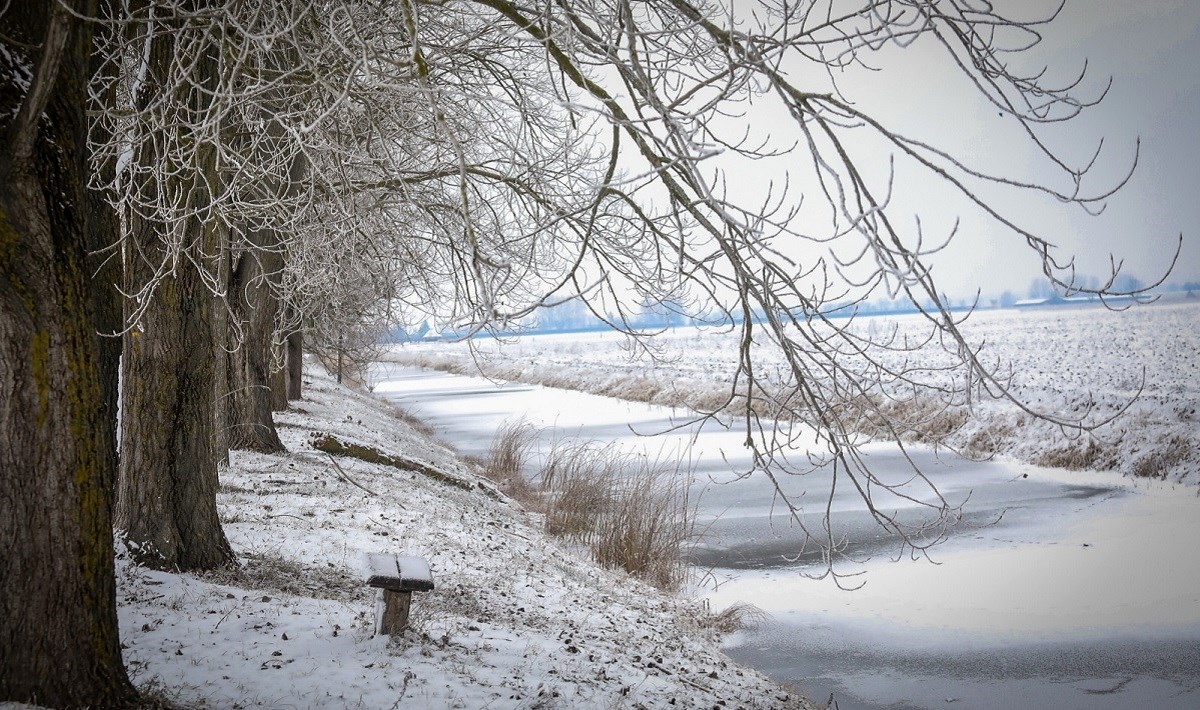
(58, 620)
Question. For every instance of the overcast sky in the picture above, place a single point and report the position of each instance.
(1152, 52)
(1150, 49)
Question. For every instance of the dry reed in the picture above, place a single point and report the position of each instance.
(631, 512)
(507, 459)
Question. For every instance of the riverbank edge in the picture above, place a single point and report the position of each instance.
(992, 429)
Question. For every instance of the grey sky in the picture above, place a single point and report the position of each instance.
(1152, 52)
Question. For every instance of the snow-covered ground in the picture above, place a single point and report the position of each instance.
(1066, 361)
(1066, 589)
(516, 621)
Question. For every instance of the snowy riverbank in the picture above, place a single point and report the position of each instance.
(1070, 362)
(516, 621)
(1075, 590)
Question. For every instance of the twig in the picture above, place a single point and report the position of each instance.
(692, 683)
(341, 472)
(289, 515)
(232, 609)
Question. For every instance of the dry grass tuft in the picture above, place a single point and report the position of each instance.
(989, 441)
(923, 419)
(630, 512)
(510, 450)
(579, 480)
(1158, 463)
(1077, 456)
(644, 528)
(736, 617)
(507, 459)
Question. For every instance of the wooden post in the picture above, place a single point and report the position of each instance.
(396, 606)
(339, 372)
(397, 577)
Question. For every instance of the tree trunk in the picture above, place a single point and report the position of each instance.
(255, 391)
(221, 353)
(104, 264)
(253, 306)
(279, 379)
(295, 361)
(341, 341)
(168, 485)
(166, 495)
(58, 620)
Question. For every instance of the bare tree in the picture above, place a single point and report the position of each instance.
(254, 307)
(204, 165)
(166, 496)
(255, 286)
(58, 620)
(657, 221)
(470, 161)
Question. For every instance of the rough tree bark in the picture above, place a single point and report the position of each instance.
(168, 484)
(58, 621)
(279, 375)
(295, 361)
(104, 264)
(166, 495)
(253, 306)
(221, 353)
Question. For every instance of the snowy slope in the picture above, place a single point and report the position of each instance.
(516, 620)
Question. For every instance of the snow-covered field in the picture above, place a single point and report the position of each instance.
(1066, 361)
(516, 621)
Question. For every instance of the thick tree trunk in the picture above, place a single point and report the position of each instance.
(104, 264)
(295, 360)
(166, 495)
(255, 391)
(58, 620)
(253, 306)
(168, 486)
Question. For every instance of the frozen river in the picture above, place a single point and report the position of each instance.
(1084, 594)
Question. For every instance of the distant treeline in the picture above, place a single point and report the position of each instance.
(575, 317)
